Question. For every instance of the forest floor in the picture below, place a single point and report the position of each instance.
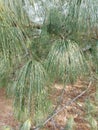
(6, 111)
(75, 109)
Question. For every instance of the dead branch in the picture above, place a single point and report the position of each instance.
(64, 107)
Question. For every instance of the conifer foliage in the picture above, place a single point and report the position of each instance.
(40, 42)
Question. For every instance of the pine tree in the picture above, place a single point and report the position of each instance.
(42, 41)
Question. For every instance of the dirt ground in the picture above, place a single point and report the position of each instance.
(76, 109)
(6, 111)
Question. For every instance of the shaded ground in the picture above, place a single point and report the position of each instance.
(6, 111)
(76, 109)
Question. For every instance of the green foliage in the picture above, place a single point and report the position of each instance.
(6, 128)
(11, 37)
(4, 72)
(93, 123)
(30, 89)
(41, 45)
(55, 22)
(91, 107)
(27, 49)
(91, 112)
(81, 16)
(26, 125)
(70, 124)
(66, 61)
(95, 56)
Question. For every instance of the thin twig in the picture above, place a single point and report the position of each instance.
(68, 103)
(64, 107)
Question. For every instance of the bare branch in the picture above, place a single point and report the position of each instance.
(64, 107)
